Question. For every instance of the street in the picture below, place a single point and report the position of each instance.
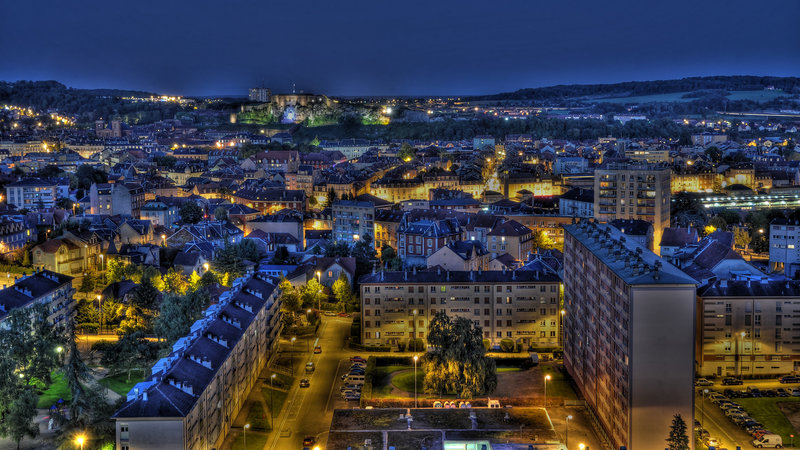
(712, 419)
(308, 411)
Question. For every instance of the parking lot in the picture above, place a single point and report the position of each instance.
(723, 416)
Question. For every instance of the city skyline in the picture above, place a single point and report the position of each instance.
(369, 49)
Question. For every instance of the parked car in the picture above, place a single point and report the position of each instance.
(789, 379)
(357, 359)
(309, 367)
(703, 382)
(712, 442)
(352, 397)
(304, 383)
(781, 392)
(769, 441)
(731, 381)
(309, 441)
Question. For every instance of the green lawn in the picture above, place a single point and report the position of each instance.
(508, 369)
(119, 383)
(766, 411)
(381, 385)
(57, 390)
(275, 399)
(405, 381)
(558, 386)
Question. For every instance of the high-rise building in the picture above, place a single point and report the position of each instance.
(784, 245)
(352, 220)
(193, 395)
(629, 334)
(261, 95)
(633, 191)
(51, 289)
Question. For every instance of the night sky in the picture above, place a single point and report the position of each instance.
(355, 47)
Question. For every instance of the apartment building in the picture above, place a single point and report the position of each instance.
(784, 246)
(522, 305)
(577, 202)
(118, 198)
(633, 191)
(193, 395)
(35, 194)
(748, 328)
(352, 219)
(629, 328)
(45, 287)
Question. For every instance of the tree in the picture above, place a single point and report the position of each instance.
(389, 258)
(115, 270)
(191, 212)
(290, 298)
(337, 248)
(195, 281)
(313, 293)
(131, 352)
(329, 199)
(174, 282)
(18, 418)
(407, 152)
(230, 259)
(178, 313)
(541, 240)
(342, 292)
(678, 439)
(76, 373)
(88, 283)
(221, 213)
(365, 255)
(281, 255)
(718, 223)
(457, 361)
(741, 237)
(141, 308)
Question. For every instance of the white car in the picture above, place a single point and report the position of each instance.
(711, 442)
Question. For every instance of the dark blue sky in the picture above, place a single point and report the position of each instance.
(355, 47)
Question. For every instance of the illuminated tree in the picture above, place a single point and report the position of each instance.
(678, 439)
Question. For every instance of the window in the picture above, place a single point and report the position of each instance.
(499, 312)
(443, 288)
(366, 324)
(486, 312)
(367, 312)
(508, 323)
(366, 301)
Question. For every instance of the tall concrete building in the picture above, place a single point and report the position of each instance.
(194, 394)
(520, 305)
(51, 289)
(633, 191)
(261, 95)
(784, 246)
(629, 330)
(352, 219)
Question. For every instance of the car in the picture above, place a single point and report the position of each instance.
(309, 367)
(317, 349)
(731, 381)
(352, 397)
(789, 379)
(341, 314)
(351, 387)
(769, 393)
(357, 359)
(697, 425)
(712, 442)
(304, 383)
(795, 392)
(356, 372)
(308, 441)
(703, 382)
(782, 392)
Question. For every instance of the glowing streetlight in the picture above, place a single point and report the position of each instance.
(244, 430)
(581, 446)
(546, 379)
(206, 266)
(59, 349)
(415, 380)
(80, 440)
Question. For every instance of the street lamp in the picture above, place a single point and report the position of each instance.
(205, 266)
(415, 380)
(581, 446)
(415, 330)
(546, 379)
(100, 310)
(244, 430)
(702, 413)
(271, 408)
(291, 354)
(80, 440)
(566, 433)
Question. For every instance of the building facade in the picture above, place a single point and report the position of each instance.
(522, 305)
(628, 334)
(784, 246)
(353, 219)
(33, 194)
(748, 328)
(194, 394)
(633, 191)
(51, 289)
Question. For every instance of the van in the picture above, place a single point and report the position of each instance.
(354, 379)
(768, 441)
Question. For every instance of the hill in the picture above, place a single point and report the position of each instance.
(685, 87)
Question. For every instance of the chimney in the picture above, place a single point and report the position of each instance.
(144, 396)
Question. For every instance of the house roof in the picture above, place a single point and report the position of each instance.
(510, 228)
(678, 237)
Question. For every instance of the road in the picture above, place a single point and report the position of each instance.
(713, 420)
(308, 411)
